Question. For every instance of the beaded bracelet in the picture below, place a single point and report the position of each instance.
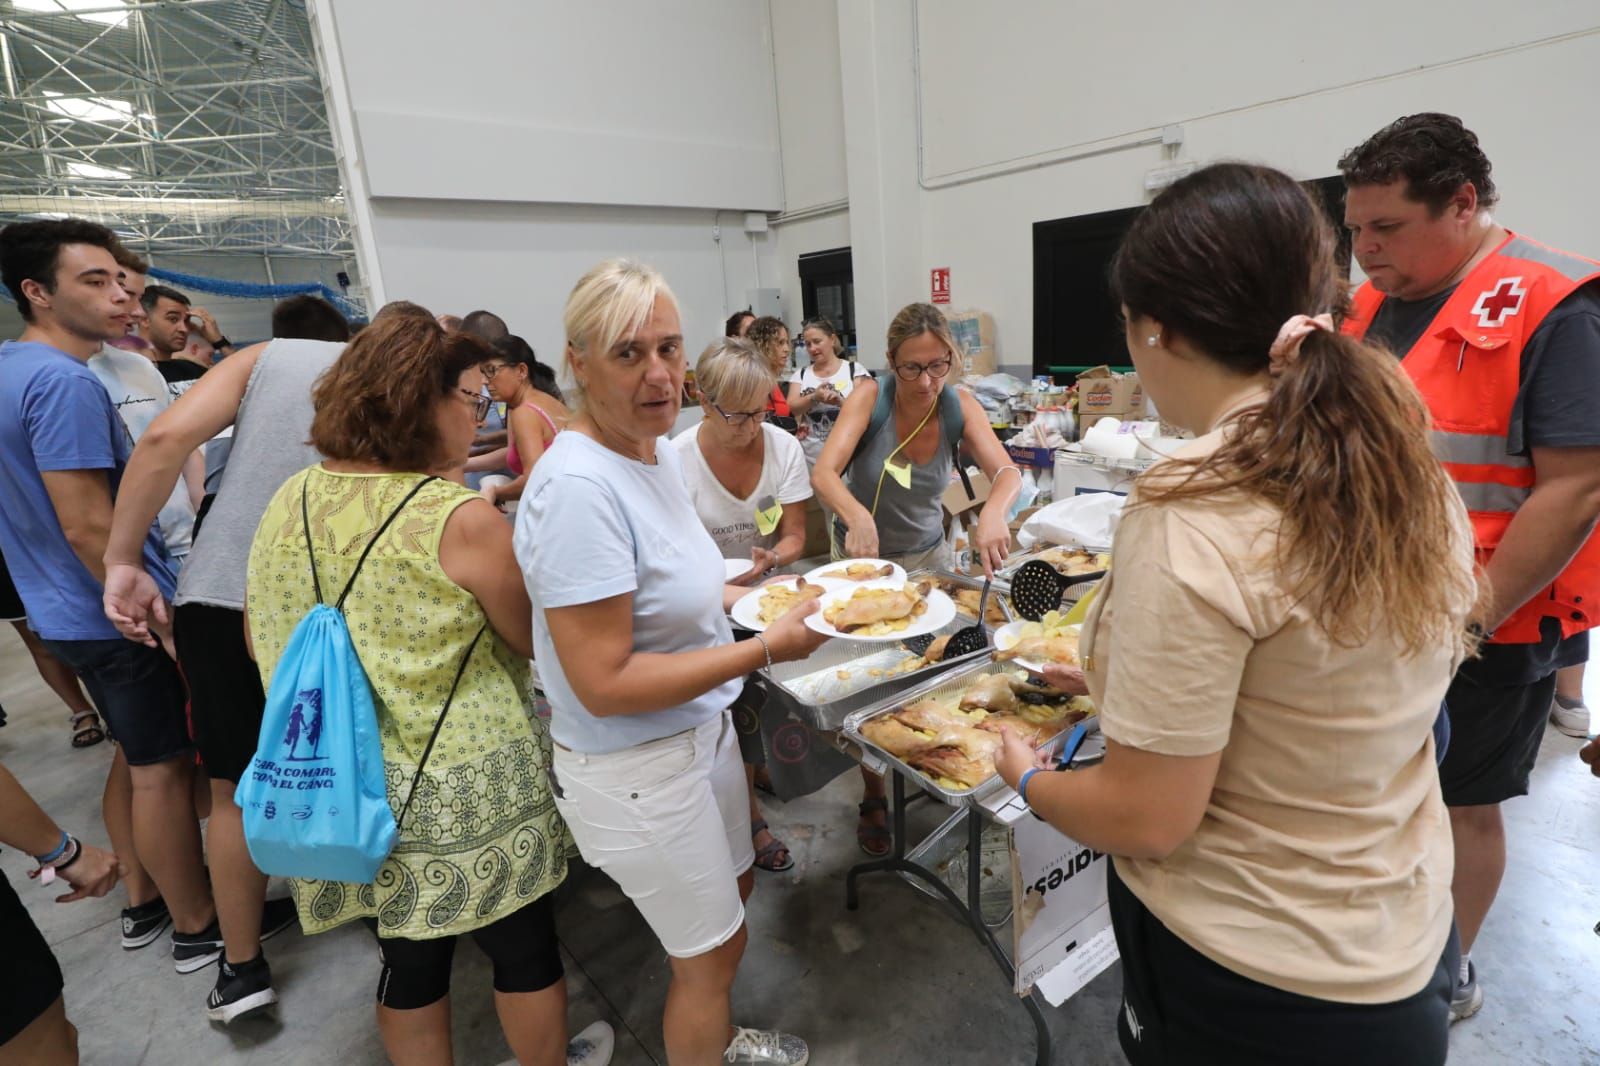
(765, 647)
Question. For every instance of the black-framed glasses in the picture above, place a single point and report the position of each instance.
(913, 371)
(480, 403)
(739, 418)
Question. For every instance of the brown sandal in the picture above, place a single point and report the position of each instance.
(89, 733)
(875, 840)
(767, 857)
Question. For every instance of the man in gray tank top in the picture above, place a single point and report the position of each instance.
(264, 394)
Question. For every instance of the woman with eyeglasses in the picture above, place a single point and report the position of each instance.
(816, 393)
(892, 505)
(439, 616)
(884, 477)
(749, 485)
(533, 416)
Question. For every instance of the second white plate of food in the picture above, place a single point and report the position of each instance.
(883, 610)
(857, 571)
(736, 568)
(760, 607)
(1045, 644)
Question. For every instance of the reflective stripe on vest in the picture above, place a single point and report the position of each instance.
(1475, 449)
(1486, 496)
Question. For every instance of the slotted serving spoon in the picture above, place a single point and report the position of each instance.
(1037, 588)
(963, 641)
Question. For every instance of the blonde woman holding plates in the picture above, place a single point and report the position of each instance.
(638, 659)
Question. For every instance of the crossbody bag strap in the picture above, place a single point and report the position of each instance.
(438, 725)
(339, 606)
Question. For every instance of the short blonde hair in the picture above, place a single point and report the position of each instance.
(732, 373)
(609, 303)
(916, 319)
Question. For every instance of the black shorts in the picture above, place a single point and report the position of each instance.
(522, 948)
(225, 697)
(11, 609)
(1180, 1007)
(139, 693)
(1495, 732)
(30, 980)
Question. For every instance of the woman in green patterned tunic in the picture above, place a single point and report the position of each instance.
(482, 846)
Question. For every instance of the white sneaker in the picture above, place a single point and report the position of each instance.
(1570, 717)
(593, 1046)
(766, 1048)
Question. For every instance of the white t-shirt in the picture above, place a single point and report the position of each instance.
(595, 524)
(139, 393)
(821, 416)
(730, 520)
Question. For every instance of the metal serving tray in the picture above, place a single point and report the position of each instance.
(1015, 563)
(813, 692)
(947, 684)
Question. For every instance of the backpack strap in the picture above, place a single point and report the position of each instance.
(305, 517)
(438, 725)
(882, 409)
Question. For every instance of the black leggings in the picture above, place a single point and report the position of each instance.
(522, 947)
(1180, 1007)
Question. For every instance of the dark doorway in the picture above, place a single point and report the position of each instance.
(1076, 323)
(827, 288)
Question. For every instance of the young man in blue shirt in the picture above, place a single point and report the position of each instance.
(62, 452)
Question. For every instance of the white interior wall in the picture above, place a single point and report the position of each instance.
(1009, 84)
(811, 125)
(505, 158)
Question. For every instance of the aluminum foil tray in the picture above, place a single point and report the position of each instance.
(838, 677)
(946, 684)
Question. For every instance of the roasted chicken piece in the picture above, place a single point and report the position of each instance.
(1072, 562)
(861, 572)
(967, 603)
(936, 648)
(1035, 733)
(779, 600)
(868, 607)
(895, 737)
(1060, 648)
(992, 693)
(957, 764)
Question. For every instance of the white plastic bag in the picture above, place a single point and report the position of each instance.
(1086, 521)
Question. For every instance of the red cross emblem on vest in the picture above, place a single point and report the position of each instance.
(1496, 305)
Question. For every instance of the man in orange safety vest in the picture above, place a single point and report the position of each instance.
(1501, 334)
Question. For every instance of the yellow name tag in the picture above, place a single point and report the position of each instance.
(901, 472)
(767, 521)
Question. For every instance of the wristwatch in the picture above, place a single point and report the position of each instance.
(222, 342)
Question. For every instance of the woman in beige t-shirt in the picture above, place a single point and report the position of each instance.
(1289, 599)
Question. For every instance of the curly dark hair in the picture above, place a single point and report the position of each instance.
(1434, 153)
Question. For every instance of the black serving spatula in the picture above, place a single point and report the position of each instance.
(1037, 589)
(963, 641)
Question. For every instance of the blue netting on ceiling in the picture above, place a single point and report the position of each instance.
(258, 291)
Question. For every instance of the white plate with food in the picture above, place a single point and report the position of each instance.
(857, 571)
(1032, 645)
(883, 610)
(760, 607)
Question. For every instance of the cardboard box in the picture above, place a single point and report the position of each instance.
(978, 362)
(956, 502)
(1103, 392)
(971, 329)
(1038, 458)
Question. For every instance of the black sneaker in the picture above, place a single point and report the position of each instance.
(195, 951)
(240, 990)
(141, 925)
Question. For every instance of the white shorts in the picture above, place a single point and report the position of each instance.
(669, 822)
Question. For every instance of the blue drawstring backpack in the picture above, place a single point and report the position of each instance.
(313, 798)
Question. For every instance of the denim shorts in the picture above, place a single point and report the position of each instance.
(139, 693)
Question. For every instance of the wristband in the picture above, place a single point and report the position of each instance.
(765, 647)
(49, 858)
(222, 342)
(77, 853)
(1022, 783)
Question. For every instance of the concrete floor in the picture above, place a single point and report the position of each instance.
(897, 982)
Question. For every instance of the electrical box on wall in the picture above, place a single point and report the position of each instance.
(765, 302)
